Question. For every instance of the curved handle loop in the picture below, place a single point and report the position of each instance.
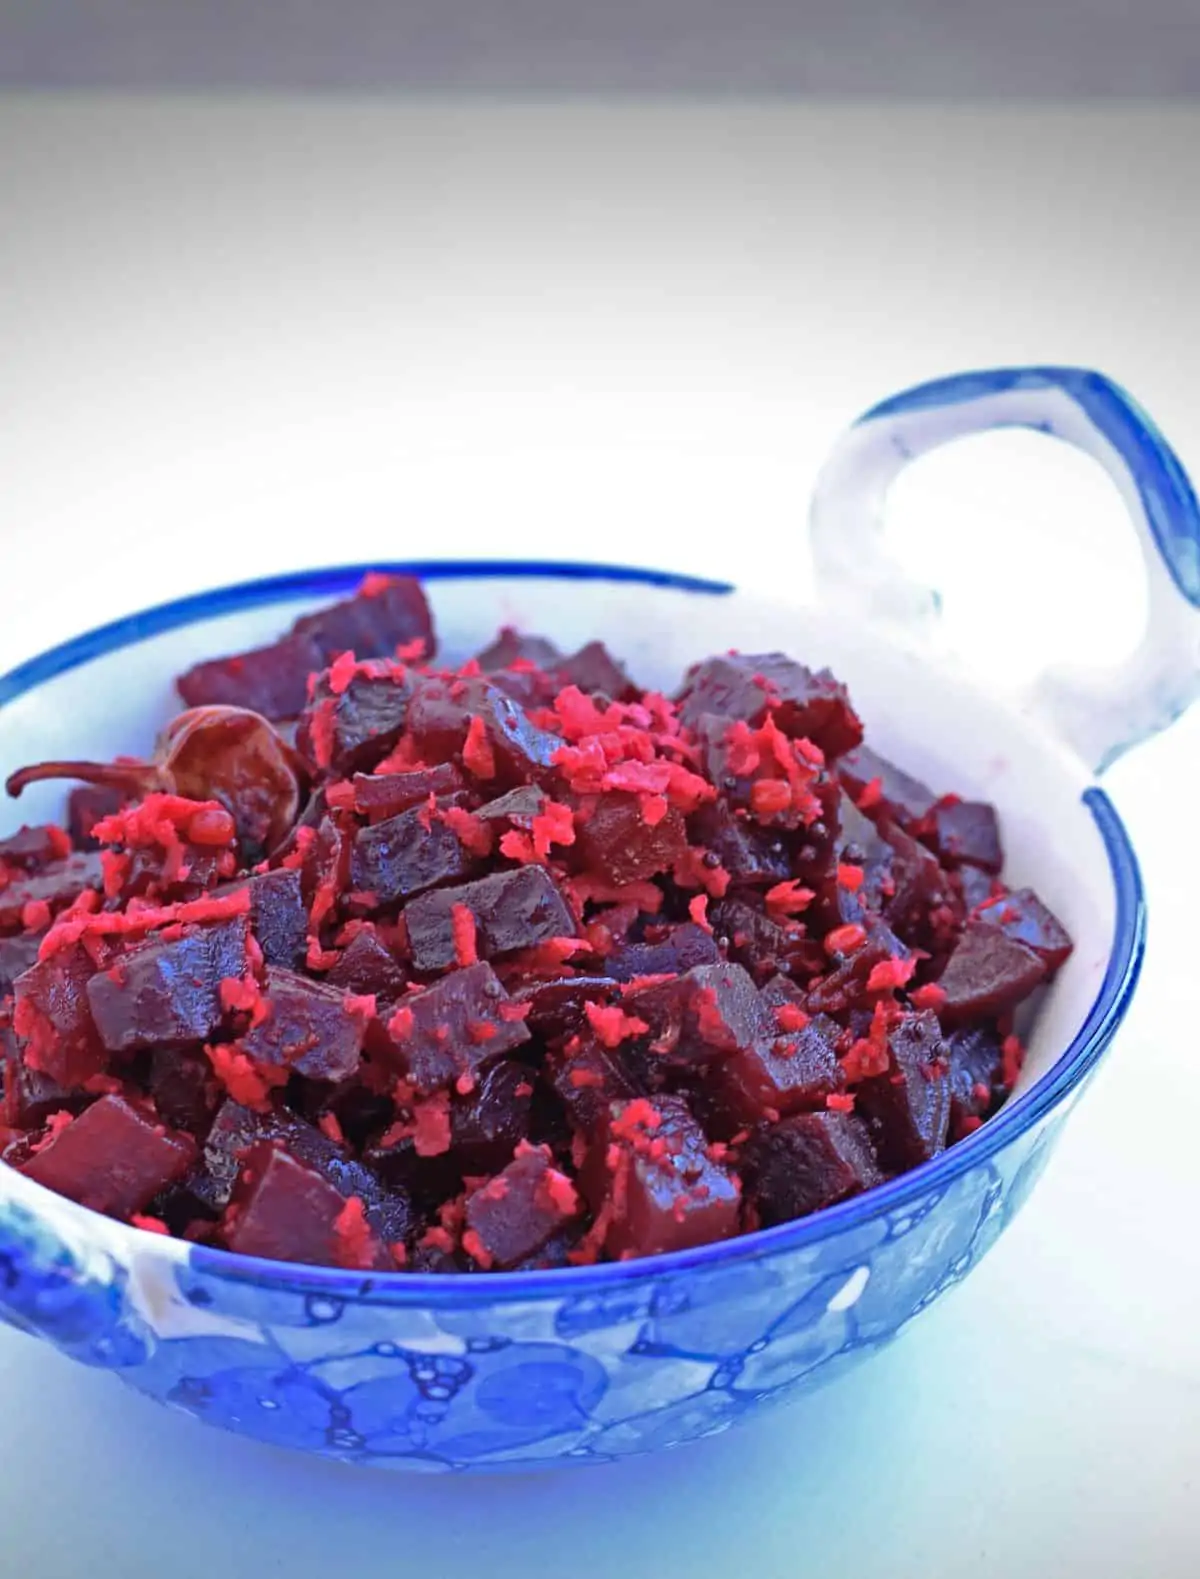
(1097, 713)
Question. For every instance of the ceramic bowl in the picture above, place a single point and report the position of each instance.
(585, 1365)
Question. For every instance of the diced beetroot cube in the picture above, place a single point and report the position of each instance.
(29, 1096)
(807, 1162)
(55, 885)
(976, 1064)
(907, 1107)
(167, 993)
(762, 945)
(112, 1158)
(902, 798)
(511, 909)
(182, 1088)
(325, 870)
(594, 670)
(86, 806)
(270, 680)
(33, 849)
(513, 1215)
(677, 951)
(278, 917)
(783, 1073)
(407, 854)
(385, 613)
(515, 809)
(378, 796)
(17, 955)
(988, 973)
(589, 1078)
(309, 1028)
(704, 1015)
(455, 1028)
(512, 750)
(968, 832)
(978, 888)
(273, 680)
(617, 845)
(350, 730)
(487, 1124)
(919, 885)
(288, 1212)
(511, 646)
(651, 1167)
(813, 706)
(558, 1006)
(367, 966)
(53, 1016)
(1023, 917)
(754, 857)
(843, 987)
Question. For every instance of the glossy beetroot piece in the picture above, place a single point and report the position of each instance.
(512, 1216)
(167, 994)
(113, 1158)
(454, 1028)
(807, 1162)
(518, 966)
(274, 680)
(510, 910)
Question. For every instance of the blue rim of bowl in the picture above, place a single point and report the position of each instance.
(442, 1289)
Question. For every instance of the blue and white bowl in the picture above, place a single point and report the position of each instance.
(585, 1365)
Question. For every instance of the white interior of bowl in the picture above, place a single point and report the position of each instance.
(921, 717)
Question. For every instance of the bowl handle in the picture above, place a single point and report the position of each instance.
(1098, 713)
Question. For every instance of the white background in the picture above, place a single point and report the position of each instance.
(236, 338)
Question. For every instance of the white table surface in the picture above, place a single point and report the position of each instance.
(235, 339)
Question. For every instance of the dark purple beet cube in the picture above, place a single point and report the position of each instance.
(269, 680)
(557, 1007)
(406, 855)
(369, 967)
(988, 973)
(33, 849)
(385, 613)
(807, 1162)
(378, 796)
(589, 1078)
(278, 917)
(167, 993)
(617, 845)
(113, 1158)
(55, 885)
(842, 988)
(182, 1088)
(512, 910)
(87, 805)
(17, 955)
(976, 1065)
(904, 799)
(652, 1163)
(594, 670)
(286, 1211)
(513, 1215)
(754, 857)
(978, 888)
(348, 731)
(814, 706)
(53, 1016)
(967, 833)
(919, 885)
(1024, 918)
(310, 1027)
(781, 1073)
(487, 1124)
(907, 1107)
(759, 943)
(455, 1028)
(29, 1096)
(511, 646)
(705, 1015)
(439, 721)
(676, 951)
(515, 809)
